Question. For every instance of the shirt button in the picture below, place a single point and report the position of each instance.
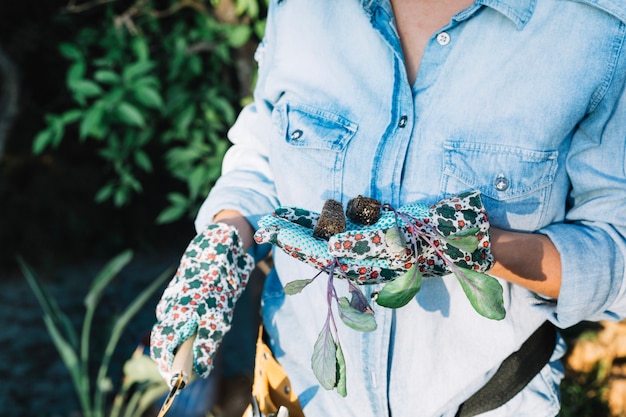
(443, 38)
(402, 121)
(296, 134)
(501, 183)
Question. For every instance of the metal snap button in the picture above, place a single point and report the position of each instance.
(501, 183)
(403, 121)
(443, 38)
(296, 134)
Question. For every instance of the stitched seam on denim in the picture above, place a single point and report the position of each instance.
(617, 51)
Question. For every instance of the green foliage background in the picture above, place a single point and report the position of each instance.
(155, 83)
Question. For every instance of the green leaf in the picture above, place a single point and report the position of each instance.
(401, 290)
(106, 76)
(104, 193)
(238, 35)
(197, 180)
(259, 28)
(42, 141)
(71, 362)
(124, 319)
(184, 119)
(76, 72)
(143, 379)
(148, 96)
(358, 320)
(140, 48)
(92, 122)
(71, 116)
(465, 240)
(324, 359)
(106, 275)
(484, 293)
(49, 306)
(341, 372)
(396, 240)
(130, 115)
(143, 160)
(70, 51)
(249, 7)
(85, 88)
(120, 196)
(171, 214)
(178, 199)
(296, 286)
(137, 69)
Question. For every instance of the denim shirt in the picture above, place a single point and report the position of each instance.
(521, 99)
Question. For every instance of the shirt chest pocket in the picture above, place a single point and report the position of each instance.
(515, 182)
(308, 152)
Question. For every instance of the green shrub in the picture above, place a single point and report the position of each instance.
(154, 86)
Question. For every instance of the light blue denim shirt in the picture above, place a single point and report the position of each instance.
(521, 99)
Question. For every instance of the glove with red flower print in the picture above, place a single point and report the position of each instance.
(291, 229)
(456, 228)
(414, 233)
(200, 298)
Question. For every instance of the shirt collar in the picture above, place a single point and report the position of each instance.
(519, 11)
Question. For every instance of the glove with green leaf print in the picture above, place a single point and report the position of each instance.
(200, 298)
(292, 230)
(454, 230)
(414, 234)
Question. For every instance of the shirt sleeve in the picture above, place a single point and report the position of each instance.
(592, 239)
(246, 183)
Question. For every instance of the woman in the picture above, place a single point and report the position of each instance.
(413, 101)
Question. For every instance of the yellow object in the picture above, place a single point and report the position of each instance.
(271, 387)
(181, 370)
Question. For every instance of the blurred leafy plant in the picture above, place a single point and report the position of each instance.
(155, 86)
(74, 348)
(583, 394)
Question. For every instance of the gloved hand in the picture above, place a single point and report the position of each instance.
(200, 298)
(377, 253)
(415, 233)
(291, 229)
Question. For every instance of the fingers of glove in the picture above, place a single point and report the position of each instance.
(269, 227)
(212, 327)
(461, 212)
(294, 239)
(302, 217)
(167, 335)
(267, 234)
(299, 243)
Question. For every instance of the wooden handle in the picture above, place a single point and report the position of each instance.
(183, 359)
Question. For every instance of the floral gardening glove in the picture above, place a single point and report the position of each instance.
(200, 299)
(291, 229)
(416, 233)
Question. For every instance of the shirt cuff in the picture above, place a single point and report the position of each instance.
(592, 271)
